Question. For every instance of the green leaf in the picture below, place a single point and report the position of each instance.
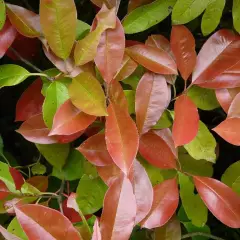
(212, 16)
(203, 145)
(11, 75)
(236, 15)
(6, 177)
(15, 228)
(90, 194)
(191, 229)
(147, 16)
(55, 154)
(203, 98)
(38, 169)
(130, 96)
(87, 94)
(56, 95)
(165, 121)
(236, 186)
(2, 14)
(82, 29)
(192, 203)
(185, 11)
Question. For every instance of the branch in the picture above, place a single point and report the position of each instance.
(60, 195)
(195, 234)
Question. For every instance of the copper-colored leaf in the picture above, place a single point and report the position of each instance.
(40, 222)
(152, 58)
(39, 182)
(35, 130)
(121, 137)
(109, 173)
(220, 199)
(133, 4)
(17, 178)
(152, 98)
(186, 120)
(234, 110)
(159, 41)
(108, 3)
(217, 55)
(7, 235)
(4, 192)
(31, 101)
(165, 203)
(70, 213)
(69, 138)
(95, 150)
(119, 210)
(96, 231)
(183, 47)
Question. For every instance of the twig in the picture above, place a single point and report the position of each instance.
(60, 196)
(195, 234)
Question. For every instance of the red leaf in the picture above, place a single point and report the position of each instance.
(31, 101)
(186, 120)
(110, 51)
(39, 182)
(152, 58)
(183, 47)
(218, 54)
(220, 199)
(121, 137)
(142, 189)
(130, 43)
(69, 138)
(35, 130)
(39, 222)
(7, 36)
(119, 210)
(109, 173)
(165, 203)
(96, 231)
(229, 130)
(95, 150)
(4, 192)
(152, 98)
(7, 235)
(234, 110)
(69, 120)
(17, 178)
(156, 151)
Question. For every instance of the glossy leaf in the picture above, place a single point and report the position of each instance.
(96, 231)
(15, 228)
(130, 96)
(7, 235)
(39, 182)
(133, 4)
(30, 103)
(38, 169)
(2, 14)
(154, 59)
(11, 75)
(109, 173)
(121, 137)
(236, 18)
(183, 47)
(162, 156)
(87, 94)
(90, 194)
(55, 154)
(59, 23)
(95, 150)
(147, 16)
(7, 36)
(165, 202)
(35, 130)
(233, 110)
(220, 200)
(37, 221)
(186, 118)
(165, 121)
(17, 177)
(26, 22)
(216, 59)
(82, 29)
(4, 191)
(113, 225)
(212, 16)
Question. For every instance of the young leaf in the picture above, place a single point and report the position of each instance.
(152, 58)
(55, 154)
(37, 220)
(118, 218)
(69, 138)
(17, 177)
(90, 194)
(110, 51)
(95, 150)
(96, 231)
(56, 95)
(223, 46)
(130, 96)
(7, 36)
(162, 156)
(39, 182)
(235, 13)
(35, 130)
(109, 173)
(183, 47)
(151, 100)
(11, 75)
(59, 23)
(165, 121)
(121, 137)
(15, 228)
(233, 111)
(220, 200)
(87, 94)
(7, 235)
(69, 120)
(165, 202)
(30, 103)
(4, 191)
(82, 29)
(186, 121)
(147, 16)
(212, 16)
(26, 22)
(186, 11)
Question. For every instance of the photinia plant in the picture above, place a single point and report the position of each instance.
(124, 152)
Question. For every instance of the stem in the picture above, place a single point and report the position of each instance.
(84, 221)
(40, 74)
(3, 156)
(174, 91)
(201, 234)
(60, 196)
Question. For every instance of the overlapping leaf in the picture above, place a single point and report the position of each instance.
(7, 235)
(109, 173)
(2, 14)
(235, 13)
(233, 111)
(96, 231)
(17, 177)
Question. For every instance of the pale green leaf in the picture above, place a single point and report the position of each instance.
(15, 228)
(38, 169)
(6, 177)
(27, 188)
(82, 29)
(236, 15)
(165, 121)
(130, 96)
(147, 16)
(2, 14)
(203, 145)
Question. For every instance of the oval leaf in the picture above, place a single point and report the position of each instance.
(39, 182)
(17, 177)
(4, 192)
(109, 173)
(234, 107)
(7, 235)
